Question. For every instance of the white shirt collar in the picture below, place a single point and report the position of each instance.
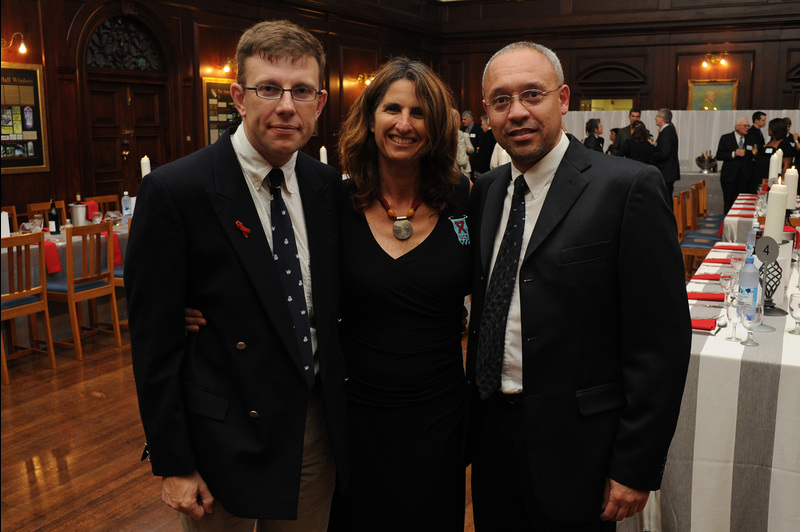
(256, 168)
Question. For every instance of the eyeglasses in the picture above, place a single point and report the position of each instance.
(273, 92)
(528, 98)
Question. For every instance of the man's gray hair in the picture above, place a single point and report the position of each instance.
(666, 114)
(520, 45)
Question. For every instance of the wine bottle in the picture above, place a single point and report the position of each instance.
(54, 217)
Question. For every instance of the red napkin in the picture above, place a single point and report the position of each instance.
(721, 227)
(717, 261)
(705, 296)
(752, 209)
(91, 208)
(741, 215)
(706, 277)
(704, 325)
(729, 247)
(743, 203)
(117, 251)
(51, 261)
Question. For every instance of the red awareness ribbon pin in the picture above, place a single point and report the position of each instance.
(245, 231)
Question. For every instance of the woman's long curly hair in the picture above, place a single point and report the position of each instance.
(358, 151)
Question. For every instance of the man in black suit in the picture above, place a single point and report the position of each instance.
(666, 150)
(243, 412)
(574, 396)
(484, 150)
(624, 133)
(754, 134)
(737, 162)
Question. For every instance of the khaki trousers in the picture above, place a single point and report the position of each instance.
(316, 486)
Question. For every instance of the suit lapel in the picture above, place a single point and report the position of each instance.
(567, 186)
(233, 206)
(490, 219)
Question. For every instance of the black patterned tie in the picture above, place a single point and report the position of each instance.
(491, 339)
(741, 142)
(287, 259)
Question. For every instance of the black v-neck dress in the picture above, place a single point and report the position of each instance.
(401, 337)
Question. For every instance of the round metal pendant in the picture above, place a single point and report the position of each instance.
(402, 229)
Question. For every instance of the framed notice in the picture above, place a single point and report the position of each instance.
(23, 132)
(713, 94)
(219, 112)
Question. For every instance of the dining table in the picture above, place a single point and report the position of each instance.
(740, 218)
(734, 462)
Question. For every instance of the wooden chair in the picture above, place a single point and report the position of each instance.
(92, 281)
(106, 203)
(43, 207)
(693, 217)
(680, 218)
(25, 297)
(12, 217)
(695, 244)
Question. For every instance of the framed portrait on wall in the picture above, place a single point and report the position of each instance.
(23, 123)
(713, 94)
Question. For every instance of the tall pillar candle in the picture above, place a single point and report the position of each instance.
(776, 212)
(323, 155)
(145, 165)
(790, 180)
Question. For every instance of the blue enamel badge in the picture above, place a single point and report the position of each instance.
(461, 229)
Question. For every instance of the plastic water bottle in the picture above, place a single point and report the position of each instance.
(127, 209)
(752, 235)
(748, 284)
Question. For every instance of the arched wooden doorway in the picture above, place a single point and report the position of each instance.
(125, 77)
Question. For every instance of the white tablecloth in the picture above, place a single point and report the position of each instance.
(734, 464)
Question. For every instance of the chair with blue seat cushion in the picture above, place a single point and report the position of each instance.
(25, 295)
(87, 278)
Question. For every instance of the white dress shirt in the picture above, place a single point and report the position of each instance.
(255, 169)
(538, 177)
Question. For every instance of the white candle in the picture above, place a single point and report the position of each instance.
(790, 180)
(323, 155)
(775, 165)
(145, 165)
(776, 212)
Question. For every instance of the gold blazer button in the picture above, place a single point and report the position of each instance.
(240, 345)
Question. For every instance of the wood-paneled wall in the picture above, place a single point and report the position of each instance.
(646, 50)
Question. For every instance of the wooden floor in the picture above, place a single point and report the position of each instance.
(71, 443)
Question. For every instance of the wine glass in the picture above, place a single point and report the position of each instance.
(97, 217)
(751, 316)
(726, 283)
(36, 223)
(732, 310)
(737, 261)
(794, 311)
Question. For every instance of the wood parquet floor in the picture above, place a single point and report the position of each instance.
(71, 442)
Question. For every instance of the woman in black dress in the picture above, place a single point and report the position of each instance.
(593, 140)
(638, 147)
(777, 132)
(405, 271)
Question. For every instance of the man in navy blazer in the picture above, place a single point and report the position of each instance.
(736, 154)
(232, 413)
(666, 150)
(575, 432)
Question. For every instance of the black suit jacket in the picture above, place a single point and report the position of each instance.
(605, 349)
(734, 169)
(230, 401)
(666, 154)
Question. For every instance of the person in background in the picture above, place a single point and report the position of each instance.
(791, 136)
(245, 419)
(624, 133)
(638, 147)
(755, 134)
(484, 156)
(569, 430)
(593, 141)
(612, 138)
(737, 163)
(406, 268)
(778, 140)
(462, 160)
(666, 150)
(474, 133)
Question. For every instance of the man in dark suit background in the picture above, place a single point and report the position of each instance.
(755, 134)
(666, 150)
(737, 162)
(242, 412)
(574, 397)
(624, 133)
(484, 150)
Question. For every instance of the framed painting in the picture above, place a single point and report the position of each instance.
(713, 94)
(219, 112)
(23, 121)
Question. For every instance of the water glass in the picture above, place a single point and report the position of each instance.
(794, 312)
(751, 316)
(726, 283)
(97, 217)
(36, 223)
(737, 261)
(732, 310)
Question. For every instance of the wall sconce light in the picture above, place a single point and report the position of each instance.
(227, 67)
(366, 79)
(714, 59)
(5, 45)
